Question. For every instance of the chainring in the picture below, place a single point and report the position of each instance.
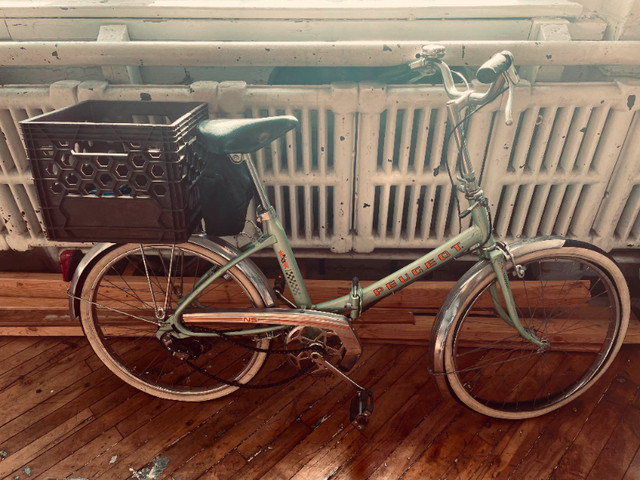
(300, 341)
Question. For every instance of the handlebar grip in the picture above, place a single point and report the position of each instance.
(496, 65)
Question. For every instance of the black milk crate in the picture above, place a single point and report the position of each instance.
(117, 171)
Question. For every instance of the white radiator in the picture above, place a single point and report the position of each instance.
(550, 173)
(365, 169)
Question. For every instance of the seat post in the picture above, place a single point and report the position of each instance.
(262, 193)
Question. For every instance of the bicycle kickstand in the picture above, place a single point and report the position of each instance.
(362, 403)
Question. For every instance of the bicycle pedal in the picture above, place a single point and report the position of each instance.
(361, 408)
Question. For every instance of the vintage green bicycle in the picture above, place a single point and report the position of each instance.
(526, 330)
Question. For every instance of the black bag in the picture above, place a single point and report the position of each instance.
(225, 188)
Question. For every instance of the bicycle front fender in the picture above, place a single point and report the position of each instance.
(463, 288)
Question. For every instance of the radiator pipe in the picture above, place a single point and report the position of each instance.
(351, 53)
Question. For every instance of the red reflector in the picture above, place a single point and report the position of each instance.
(69, 260)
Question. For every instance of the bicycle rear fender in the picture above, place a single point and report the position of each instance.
(216, 245)
(467, 283)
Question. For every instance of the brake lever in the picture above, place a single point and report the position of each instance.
(512, 75)
(512, 78)
(508, 109)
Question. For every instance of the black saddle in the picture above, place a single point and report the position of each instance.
(243, 136)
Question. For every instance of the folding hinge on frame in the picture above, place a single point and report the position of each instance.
(355, 299)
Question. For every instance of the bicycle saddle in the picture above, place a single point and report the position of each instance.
(244, 135)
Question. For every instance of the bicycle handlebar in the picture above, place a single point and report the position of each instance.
(497, 71)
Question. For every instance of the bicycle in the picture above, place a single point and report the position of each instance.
(196, 321)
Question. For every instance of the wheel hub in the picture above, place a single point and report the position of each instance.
(184, 348)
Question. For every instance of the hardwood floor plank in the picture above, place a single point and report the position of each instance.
(275, 452)
(40, 385)
(445, 448)
(598, 428)
(411, 448)
(85, 434)
(16, 460)
(119, 393)
(254, 421)
(617, 455)
(175, 421)
(479, 450)
(381, 362)
(234, 421)
(279, 420)
(520, 437)
(4, 341)
(633, 471)
(225, 468)
(389, 390)
(329, 411)
(12, 347)
(28, 427)
(88, 451)
(603, 425)
(196, 425)
(95, 426)
(396, 427)
(550, 446)
(148, 409)
(497, 459)
(35, 348)
(48, 356)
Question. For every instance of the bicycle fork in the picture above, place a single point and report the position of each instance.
(497, 258)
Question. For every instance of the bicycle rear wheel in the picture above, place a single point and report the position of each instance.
(133, 288)
(575, 298)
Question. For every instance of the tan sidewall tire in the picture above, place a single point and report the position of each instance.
(86, 318)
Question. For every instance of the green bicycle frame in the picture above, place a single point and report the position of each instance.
(477, 236)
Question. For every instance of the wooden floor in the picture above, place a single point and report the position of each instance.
(64, 416)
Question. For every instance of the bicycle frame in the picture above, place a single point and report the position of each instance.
(476, 237)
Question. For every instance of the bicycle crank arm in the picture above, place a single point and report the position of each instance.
(338, 324)
(361, 404)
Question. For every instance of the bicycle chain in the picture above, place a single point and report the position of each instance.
(245, 385)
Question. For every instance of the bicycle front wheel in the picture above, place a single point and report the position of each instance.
(133, 288)
(573, 297)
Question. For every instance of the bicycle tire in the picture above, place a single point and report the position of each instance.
(574, 296)
(118, 317)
